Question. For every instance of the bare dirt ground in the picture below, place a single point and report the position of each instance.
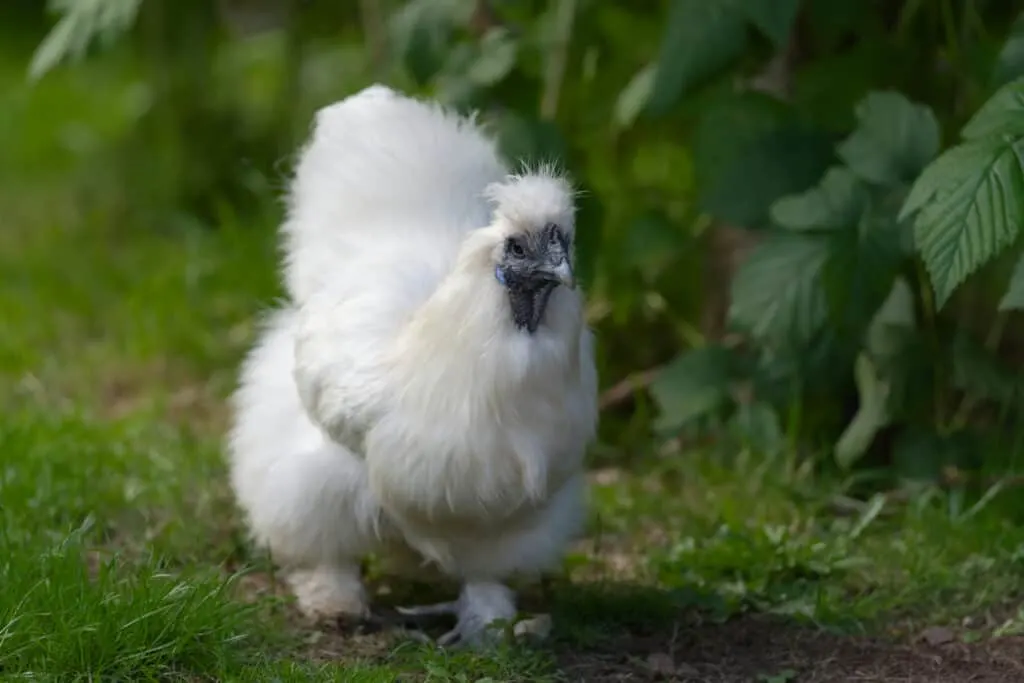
(746, 649)
(755, 649)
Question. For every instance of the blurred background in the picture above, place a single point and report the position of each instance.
(145, 146)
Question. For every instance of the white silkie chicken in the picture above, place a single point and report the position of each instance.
(430, 386)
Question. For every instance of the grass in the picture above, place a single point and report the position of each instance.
(122, 554)
(122, 557)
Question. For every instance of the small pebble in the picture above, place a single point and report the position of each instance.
(938, 635)
(661, 663)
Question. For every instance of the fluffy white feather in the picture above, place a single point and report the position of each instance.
(394, 404)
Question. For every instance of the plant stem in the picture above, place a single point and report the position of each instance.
(929, 316)
(623, 390)
(372, 16)
(949, 26)
(558, 58)
(291, 72)
(992, 339)
(906, 16)
(995, 333)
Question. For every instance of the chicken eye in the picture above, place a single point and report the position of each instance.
(517, 249)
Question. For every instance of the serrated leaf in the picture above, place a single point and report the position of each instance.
(692, 386)
(1002, 114)
(634, 96)
(773, 18)
(779, 162)
(1013, 299)
(777, 294)
(872, 413)
(701, 39)
(1010, 63)
(836, 202)
(893, 141)
(970, 209)
(945, 174)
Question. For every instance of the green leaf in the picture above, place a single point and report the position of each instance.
(894, 319)
(894, 139)
(1002, 114)
(828, 88)
(872, 413)
(837, 202)
(864, 261)
(773, 18)
(729, 124)
(777, 294)
(970, 209)
(702, 38)
(784, 160)
(634, 96)
(1010, 63)
(1013, 300)
(452, 85)
(422, 31)
(905, 356)
(496, 57)
(757, 427)
(81, 23)
(692, 386)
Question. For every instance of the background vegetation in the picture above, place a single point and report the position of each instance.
(800, 239)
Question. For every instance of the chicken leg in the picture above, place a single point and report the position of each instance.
(481, 609)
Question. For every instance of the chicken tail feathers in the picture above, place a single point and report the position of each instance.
(382, 169)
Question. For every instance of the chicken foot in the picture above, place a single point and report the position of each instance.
(379, 619)
(479, 607)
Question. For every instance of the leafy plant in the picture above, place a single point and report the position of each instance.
(836, 284)
(871, 315)
(970, 201)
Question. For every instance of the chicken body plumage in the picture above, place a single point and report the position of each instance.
(404, 398)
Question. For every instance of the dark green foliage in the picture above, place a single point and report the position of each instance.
(831, 267)
(781, 161)
(969, 202)
(874, 307)
(701, 38)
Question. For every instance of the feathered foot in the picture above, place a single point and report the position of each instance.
(330, 592)
(479, 612)
(335, 596)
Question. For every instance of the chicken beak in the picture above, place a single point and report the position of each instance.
(563, 273)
